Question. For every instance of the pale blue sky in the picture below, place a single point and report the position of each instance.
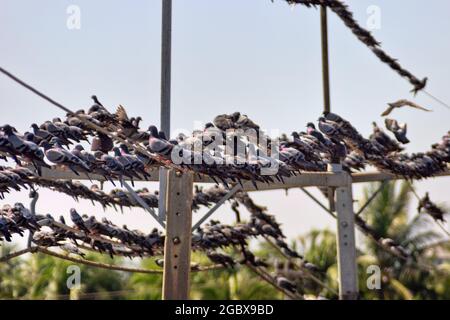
(258, 57)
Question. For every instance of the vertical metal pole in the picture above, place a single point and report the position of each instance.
(326, 81)
(166, 67)
(347, 268)
(177, 247)
(162, 193)
(325, 64)
(166, 61)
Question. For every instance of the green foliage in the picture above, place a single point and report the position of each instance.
(388, 216)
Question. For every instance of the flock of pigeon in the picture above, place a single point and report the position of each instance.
(60, 143)
(87, 233)
(335, 140)
(103, 236)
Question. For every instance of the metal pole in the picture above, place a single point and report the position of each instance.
(325, 64)
(166, 67)
(166, 61)
(177, 246)
(347, 269)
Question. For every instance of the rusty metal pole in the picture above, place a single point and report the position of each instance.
(166, 69)
(325, 61)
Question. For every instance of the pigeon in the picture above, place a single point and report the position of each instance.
(431, 208)
(399, 130)
(4, 231)
(29, 136)
(128, 128)
(286, 284)
(157, 145)
(220, 258)
(97, 102)
(46, 238)
(245, 123)
(28, 216)
(57, 154)
(159, 263)
(225, 121)
(113, 165)
(101, 142)
(78, 221)
(384, 140)
(311, 130)
(71, 248)
(42, 134)
(27, 149)
(56, 132)
(327, 128)
(402, 103)
(249, 257)
(311, 267)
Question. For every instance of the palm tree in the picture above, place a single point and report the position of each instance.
(388, 216)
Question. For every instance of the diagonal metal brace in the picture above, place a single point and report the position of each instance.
(230, 193)
(143, 204)
(309, 194)
(372, 197)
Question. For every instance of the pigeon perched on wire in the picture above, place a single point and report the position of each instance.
(384, 140)
(57, 154)
(249, 257)
(28, 219)
(101, 142)
(71, 248)
(157, 145)
(128, 127)
(18, 146)
(221, 258)
(78, 221)
(286, 284)
(4, 230)
(429, 207)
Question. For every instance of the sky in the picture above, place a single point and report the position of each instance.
(257, 57)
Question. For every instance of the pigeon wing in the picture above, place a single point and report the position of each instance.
(388, 110)
(121, 113)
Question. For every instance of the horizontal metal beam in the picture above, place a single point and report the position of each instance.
(60, 173)
(382, 176)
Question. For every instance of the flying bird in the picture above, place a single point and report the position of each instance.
(398, 129)
(402, 103)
